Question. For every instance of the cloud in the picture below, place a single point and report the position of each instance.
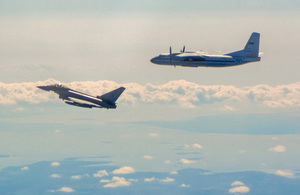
(197, 146)
(153, 135)
(239, 189)
(124, 170)
(55, 164)
(285, 173)
(55, 176)
(187, 161)
(174, 173)
(101, 173)
(148, 157)
(66, 189)
(184, 186)
(237, 183)
(79, 176)
(105, 181)
(278, 148)
(167, 180)
(149, 179)
(117, 182)
(179, 92)
(24, 168)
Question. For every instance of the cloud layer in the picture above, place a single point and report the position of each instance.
(180, 92)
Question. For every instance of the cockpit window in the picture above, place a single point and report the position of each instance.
(59, 85)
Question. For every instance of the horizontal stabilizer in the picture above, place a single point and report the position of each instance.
(111, 97)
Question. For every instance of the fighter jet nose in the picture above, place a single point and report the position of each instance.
(46, 88)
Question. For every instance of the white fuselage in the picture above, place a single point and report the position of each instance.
(195, 59)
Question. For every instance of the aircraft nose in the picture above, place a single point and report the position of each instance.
(46, 88)
(153, 60)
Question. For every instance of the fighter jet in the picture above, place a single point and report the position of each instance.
(76, 98)
(195, 59)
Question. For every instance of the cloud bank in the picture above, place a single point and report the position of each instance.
(180, 92)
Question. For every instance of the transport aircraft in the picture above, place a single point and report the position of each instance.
(250, 53)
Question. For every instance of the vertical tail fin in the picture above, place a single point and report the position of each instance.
(111, 97)
(251, 49)
(252, 46)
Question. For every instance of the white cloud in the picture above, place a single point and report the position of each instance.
(185, 186)
(24, 168)
(182, 93)
(79, 176)
(242, 151)
(76, 177)
(149, 179)
(55, 164)
(148, 157)
(239, 189)
(57, 131)
(105, 181)
(55, 175)
(174, 173)
(194, 146)
(117, 182)
(153, 135)
(101, 173)
(66, 189)
(278, 148)
(285, 173)
(167, 180)
(197, 146)
(237, 183)
(187, 161)
(124, 170)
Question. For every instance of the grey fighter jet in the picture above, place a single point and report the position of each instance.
(76, 98)
(195, 59)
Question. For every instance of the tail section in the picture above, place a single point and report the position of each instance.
(111, 97)
(251, 49)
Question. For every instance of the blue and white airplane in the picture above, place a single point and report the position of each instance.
(76, 98)
(194, 59)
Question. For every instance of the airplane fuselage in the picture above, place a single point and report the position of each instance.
(197, 59)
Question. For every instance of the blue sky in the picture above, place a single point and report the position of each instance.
(176, 130)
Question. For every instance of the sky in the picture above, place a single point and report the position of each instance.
(176, 130)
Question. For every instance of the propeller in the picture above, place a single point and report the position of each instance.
(183, 50)
(170, 53)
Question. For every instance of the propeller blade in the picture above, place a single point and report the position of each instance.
(170, 53)
(183, 50)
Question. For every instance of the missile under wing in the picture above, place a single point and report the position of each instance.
(76, 98)
(250, 53)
